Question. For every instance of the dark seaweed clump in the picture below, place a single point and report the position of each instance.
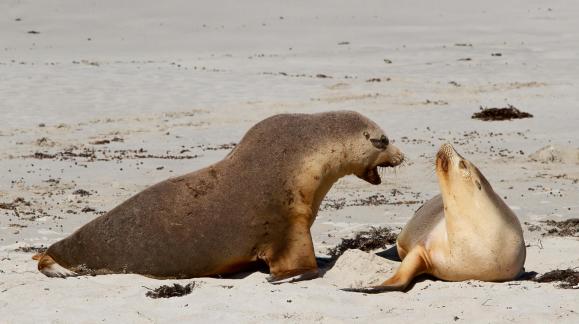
(81, 192)
(12, 205)
(33, 249)
(569, 278)
(507, 113)
(372, 239)
(569, 227)
(165, 291)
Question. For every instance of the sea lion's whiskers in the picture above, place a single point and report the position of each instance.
(404, 161)
(382, 172)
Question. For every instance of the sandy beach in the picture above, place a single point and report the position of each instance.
(103, 99)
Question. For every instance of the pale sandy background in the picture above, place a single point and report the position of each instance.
(182, 78)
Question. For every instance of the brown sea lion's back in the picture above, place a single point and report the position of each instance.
(152, 231)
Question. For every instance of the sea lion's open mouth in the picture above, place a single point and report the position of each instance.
(372, 175)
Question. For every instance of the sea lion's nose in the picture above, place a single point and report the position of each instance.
(446, 148)
(442, 160)
(395, 156)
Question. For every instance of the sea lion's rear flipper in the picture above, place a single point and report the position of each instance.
(50, 268)
(309, 274)
(294, 260)
(414, 264)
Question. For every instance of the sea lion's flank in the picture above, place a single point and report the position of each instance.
(258, 203)
(467, 232)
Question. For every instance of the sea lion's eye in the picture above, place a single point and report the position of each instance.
(478, 184)
(366, 135)
(381, 143)
(461, 164)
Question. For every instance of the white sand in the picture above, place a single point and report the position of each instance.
(173, 75)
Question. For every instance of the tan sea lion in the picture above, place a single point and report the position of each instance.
(258, 203)
(467, 232)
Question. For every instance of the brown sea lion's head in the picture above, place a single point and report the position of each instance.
(371, 151)
(337, 142)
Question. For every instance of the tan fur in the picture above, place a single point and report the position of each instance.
(466, 233)
(258, 203)
(44, 262)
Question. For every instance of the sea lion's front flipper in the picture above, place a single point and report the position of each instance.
(295, 259)
(414, 264)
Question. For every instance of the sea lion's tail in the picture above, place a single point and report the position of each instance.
(50, 268)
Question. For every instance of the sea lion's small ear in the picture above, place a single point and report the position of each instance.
(366, 135)
(380, 143)
(478, 184)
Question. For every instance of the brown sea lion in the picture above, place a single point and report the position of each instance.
(258, 203)
(467, 232)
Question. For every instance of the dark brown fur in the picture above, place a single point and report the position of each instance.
(219, 219)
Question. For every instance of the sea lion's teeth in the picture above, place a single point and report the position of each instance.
(382, 172)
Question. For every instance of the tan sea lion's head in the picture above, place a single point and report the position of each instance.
(460, 181)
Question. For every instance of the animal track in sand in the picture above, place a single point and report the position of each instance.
(507, 86)
(347, 98)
